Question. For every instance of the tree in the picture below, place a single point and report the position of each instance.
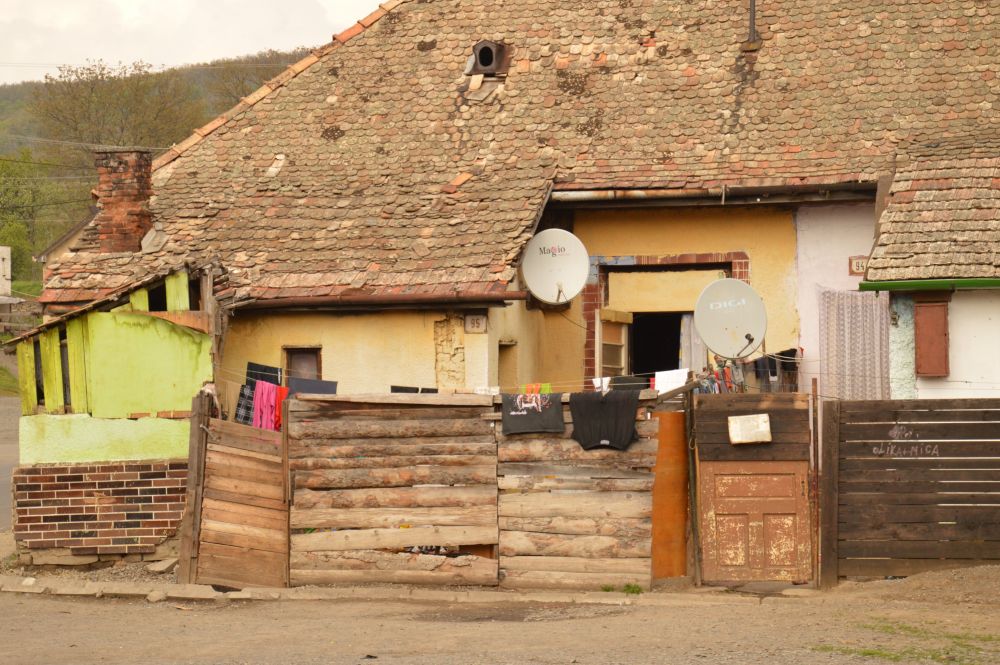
(123, 105)
(232, 79)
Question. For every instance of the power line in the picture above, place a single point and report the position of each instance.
(38, 139)
(65, 166)
(161, 68)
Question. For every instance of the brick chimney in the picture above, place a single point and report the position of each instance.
(123, 191)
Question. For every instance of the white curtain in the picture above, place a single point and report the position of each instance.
(854, 344)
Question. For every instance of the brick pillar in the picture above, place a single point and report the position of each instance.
(123, 191)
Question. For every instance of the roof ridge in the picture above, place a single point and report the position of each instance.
(293, 70)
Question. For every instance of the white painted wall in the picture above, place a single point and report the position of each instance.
(902, 358)
(826, 238)
(973, 348)
(6, 270)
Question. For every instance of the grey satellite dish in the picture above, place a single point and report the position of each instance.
(730, 318)
(555, 266)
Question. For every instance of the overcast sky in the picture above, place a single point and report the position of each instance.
(161, 32)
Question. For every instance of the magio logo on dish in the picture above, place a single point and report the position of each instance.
(554, 250)
(727, 304)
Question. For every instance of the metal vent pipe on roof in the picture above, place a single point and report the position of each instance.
(753, 36)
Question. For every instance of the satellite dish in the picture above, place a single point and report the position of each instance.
(555, 266)
(730, 318)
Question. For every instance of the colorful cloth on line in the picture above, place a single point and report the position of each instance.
(604, 420)
(279, 401)
(244, 406)
(257, 372)
(265, 397)
(522, 414)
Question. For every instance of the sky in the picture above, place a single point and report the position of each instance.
(38, 35)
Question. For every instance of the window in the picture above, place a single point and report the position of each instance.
(303, 363)
(158, 298)
(39, 381)
(930, 334)
(64, 361)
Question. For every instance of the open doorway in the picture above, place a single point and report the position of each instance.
(655, 342)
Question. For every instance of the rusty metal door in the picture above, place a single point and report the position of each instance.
(755, 521)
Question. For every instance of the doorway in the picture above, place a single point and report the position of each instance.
(655, 342)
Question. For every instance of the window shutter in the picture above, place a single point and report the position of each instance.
(930, 323)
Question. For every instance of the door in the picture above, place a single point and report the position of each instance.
(754, 520)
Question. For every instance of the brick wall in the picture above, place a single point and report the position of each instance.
(123, 191)
(99, 508)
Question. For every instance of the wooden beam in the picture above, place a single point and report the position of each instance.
(830, 454)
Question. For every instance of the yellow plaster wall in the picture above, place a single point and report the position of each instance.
(364, 353)
(658, 291)
(767, 235)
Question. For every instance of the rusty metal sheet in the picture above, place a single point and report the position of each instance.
(755, 521)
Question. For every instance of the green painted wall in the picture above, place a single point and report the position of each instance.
(139, 300)
(142, 364)
(81, 438)
(178, 295)
(52, 371)
(76, 346)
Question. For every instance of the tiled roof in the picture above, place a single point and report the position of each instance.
(373, 166)
(943, 218)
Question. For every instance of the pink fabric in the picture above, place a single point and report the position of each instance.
(265, 399)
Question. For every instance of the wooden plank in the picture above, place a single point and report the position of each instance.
(581, 526)
(850, 407)
(891, 476)
(903, 567)
(883, 463)
(777, 438)
(187, 561)
(642, 453)
(909, 449)
(918, 499)
(408, 568)
(566, 471)
(873, 530)
(539, 579)
(751, 401)
(395, 477)
(239, 568)
(401, 497)
(528, 543)
(245, 487)
(229, 451)
(568, 564)
(352, 429)
(243, 535)
(484, 575)
(936, 416)
(918, 549)
(429, 399)
(217, 457)
(646, 429)
(223, 470)
(365, 462)
(323, 412)
(761, 452)
(909, 486)
(577, 504)
(245, 499)
(878, 513)
(229, 429)
(577, 483)
(912, 432)
(778, 425)
(829, 481)
(276, 520)
(375, 539)
(371, 518)
(445, 447)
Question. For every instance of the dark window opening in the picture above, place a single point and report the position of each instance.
(158, 298)
(39, 381)
(194, 295)
(486, 57)
(655, 342)
(64, 361)
(490, 59)
(303, 363)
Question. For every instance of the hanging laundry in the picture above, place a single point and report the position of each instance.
(601, 384)
(265, 396)
(257, 372)
(604, 420)
(536, 389)
(311, 386)
(536, 412)
(670, 380)
(629, 382)
(282, 395)
(244, 406)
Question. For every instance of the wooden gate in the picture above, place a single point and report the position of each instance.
(754, 499)
(235, 532)
(910, 486)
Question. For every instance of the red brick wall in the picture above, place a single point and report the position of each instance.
(99, 508)
(123, 190)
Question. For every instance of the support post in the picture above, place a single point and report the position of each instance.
(830, 447)
(190, 530)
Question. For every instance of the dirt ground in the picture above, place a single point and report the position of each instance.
(913, 621)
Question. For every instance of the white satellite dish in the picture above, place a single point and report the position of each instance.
(555, 266)
(730, 318)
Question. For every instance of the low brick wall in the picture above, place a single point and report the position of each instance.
(98, 508)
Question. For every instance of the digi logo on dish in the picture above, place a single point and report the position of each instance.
(727, 304)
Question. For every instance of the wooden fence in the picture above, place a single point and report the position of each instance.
(573, 518)
(235, 530)
(910, 486)
(393, 489)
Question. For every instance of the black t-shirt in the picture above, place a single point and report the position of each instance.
(524, 414)
(604, 421)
